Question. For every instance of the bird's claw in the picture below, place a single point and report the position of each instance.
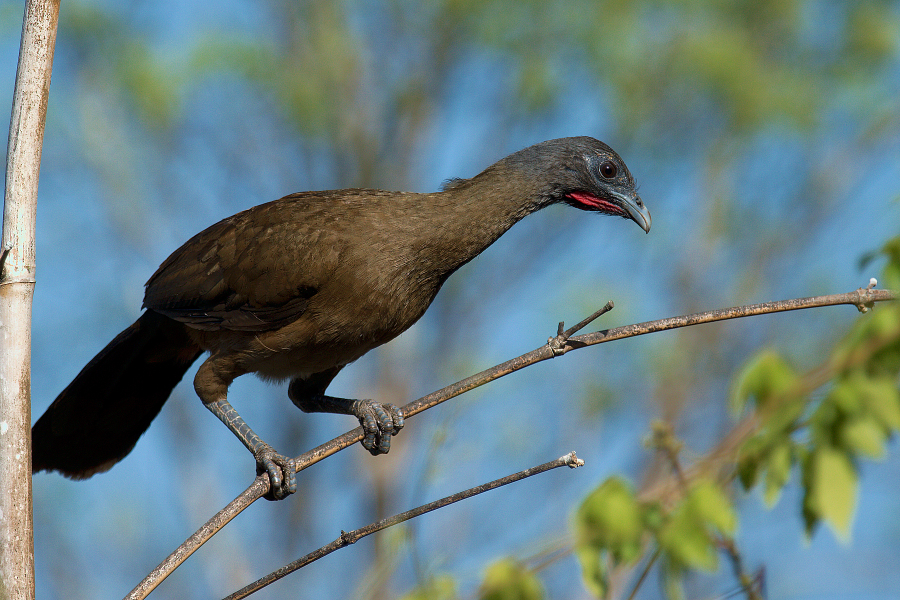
(380, 422)
(281, 470)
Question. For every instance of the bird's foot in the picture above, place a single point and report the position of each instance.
(380, 422)
(281, 470)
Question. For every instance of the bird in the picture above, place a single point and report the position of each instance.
(298, 288)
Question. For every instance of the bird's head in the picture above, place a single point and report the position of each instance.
(589, 175)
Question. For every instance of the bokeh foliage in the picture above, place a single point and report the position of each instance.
(821, 423)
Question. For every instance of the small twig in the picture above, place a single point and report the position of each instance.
(747, 584)
(644, 572)
(664, 441)
(861, 298)
(557, 344)
(347, 538)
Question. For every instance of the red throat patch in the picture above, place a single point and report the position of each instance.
(592, 202)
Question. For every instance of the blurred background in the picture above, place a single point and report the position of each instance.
(765, 135)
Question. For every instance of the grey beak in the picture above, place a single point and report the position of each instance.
(636, 209)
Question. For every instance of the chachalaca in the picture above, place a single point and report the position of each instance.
(300, 287)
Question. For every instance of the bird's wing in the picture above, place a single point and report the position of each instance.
(255, 271)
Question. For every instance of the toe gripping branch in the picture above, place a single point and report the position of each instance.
(379, 420)
(281, 469)
(558, 344)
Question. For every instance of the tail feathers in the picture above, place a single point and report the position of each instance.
(96, 421)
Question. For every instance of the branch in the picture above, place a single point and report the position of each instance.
(863, 299)
(17, 265)
(345, 539)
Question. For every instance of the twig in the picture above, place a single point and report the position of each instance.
(347, 538)
(557, 343)
(863, 298)
(644, 572)
(746, 582)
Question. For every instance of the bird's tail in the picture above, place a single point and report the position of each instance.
(96, 421)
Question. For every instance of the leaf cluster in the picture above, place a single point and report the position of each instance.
(613, 526)
(822, 423)
(826, 421)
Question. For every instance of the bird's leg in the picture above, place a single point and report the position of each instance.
(281, 469)
(380, 421)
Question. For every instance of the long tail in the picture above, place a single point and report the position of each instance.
(96, 421)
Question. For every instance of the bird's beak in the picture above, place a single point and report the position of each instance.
(634, 206)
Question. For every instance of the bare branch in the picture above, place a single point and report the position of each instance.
(17, 265)
(863, 298)
(347, 538)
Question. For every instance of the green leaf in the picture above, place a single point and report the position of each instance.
(686, 541)
(712, 507)
(764, 377)
(831, 493)
(438, 588)
(824, 423)
(506, 579)
(857, 395)
(611, 519)
(882, 399)
(882, 326)
(753, 454)
(593, 569)
(864, 436)
(811, 517)
(748, 470)
(846, 394)
(778, 472)
(892, 269)
(673, 580)
(688, 535)
(153, 85)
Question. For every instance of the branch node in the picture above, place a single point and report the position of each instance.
(346, 538)
(5, 252)
(865, 301)
(558, 344)
(572, 461)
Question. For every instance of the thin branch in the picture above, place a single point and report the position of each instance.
(747, 583)
(347, 538)
(863, 299)
(644, 572)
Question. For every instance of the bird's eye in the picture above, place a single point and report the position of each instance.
(608, 170)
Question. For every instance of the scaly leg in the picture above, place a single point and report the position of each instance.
(281, 470)
(211, 383)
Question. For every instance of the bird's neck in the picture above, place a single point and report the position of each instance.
(472, 214)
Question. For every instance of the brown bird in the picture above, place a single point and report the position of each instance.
(300, 287)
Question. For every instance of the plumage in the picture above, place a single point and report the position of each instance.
(300, 287)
